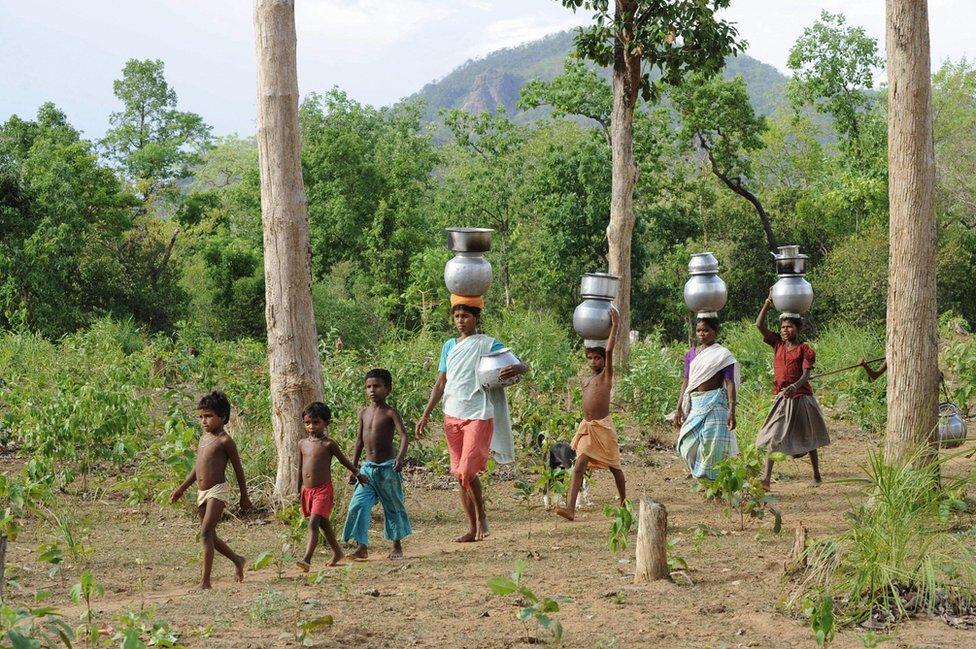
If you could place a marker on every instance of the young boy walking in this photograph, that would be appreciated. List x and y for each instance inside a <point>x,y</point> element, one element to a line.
<point>377,423</point>
<point>315,454</point>
<point>215,450</point>
<point>595,441</point>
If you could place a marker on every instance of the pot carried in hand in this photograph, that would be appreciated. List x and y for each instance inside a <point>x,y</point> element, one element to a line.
<point>468,273</point>
<point>491,364</point>
<point>591,319</point>
<point>705,291</point>
<point>952,427</point>
<point>791,293</point>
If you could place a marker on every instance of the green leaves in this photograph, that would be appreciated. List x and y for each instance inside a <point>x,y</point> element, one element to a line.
<point>307,628</point>
<point>821,612</point>
<point>263,560</point>
<point>538,608</point>
<point>620,526</point>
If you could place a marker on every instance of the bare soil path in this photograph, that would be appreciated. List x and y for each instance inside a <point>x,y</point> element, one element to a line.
<point>437,597</point>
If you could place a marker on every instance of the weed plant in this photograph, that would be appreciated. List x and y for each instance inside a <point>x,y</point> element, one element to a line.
<point>899,555</point>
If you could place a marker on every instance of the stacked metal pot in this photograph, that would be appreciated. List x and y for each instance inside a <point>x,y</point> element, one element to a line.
<point>791,293</point>
<point>591,319</point>
<point>705,292</point>
<point>468,273</point>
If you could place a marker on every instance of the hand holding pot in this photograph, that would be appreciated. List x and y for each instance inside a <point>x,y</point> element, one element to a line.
<point>512,371</point>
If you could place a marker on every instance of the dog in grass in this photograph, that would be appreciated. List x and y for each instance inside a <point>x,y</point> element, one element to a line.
<point>561,456</point>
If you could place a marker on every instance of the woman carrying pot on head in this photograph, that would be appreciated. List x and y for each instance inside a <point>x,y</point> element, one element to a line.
<point>795,425</point>
<point>706,407</point>
<point>476,421</point>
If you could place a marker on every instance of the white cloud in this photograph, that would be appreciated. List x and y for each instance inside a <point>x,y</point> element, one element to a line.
<point>336,24</point>
<point>509,32</point>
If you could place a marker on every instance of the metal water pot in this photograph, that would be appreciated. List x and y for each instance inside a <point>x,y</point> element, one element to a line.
<point>468,273</point>
<point>789,261</point>
<point>705,293</point>
<point>591,319</point>
<point>952,427</point>
<point>705,290</point>
<point>792,294</point>
<point>599,285</point>
<point>469,239</point>
<point>703,263</point>
<point>489,365</point>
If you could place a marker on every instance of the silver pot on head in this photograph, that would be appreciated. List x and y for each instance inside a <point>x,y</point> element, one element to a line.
<point>705,293</point>
<point>591,319</point>
<point>489,365</point>
<point>792,294</point>
<point>468,273</point>
<point>469,239</point>
<point>599,285</point>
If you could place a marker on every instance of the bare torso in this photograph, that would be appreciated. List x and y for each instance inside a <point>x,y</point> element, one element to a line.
<point>212,458</point>
<point>379,426</point>
<point>596,396</point>
<point>316,461</point>
<point>711,384</point>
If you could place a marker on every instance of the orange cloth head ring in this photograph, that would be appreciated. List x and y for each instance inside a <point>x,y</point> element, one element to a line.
<point>476,301</point>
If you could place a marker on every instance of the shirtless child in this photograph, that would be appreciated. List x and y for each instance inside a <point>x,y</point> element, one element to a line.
<point>216,448</point>
<point>595,442</point>
<point>377,423</point>
<point>315,454</point>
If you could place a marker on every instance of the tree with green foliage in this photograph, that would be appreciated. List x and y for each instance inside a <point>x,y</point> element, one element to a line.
<point>833,68</point>
<point>636,38</point>
<point>69,250</point>
<point>151,142</point>
<point>718,119</point>
<point>579,90</point>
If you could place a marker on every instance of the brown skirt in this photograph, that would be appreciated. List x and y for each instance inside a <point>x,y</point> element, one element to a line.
<point>794,426</point>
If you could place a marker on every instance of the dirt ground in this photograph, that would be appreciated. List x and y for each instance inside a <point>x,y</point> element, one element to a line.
<point>437,597</point>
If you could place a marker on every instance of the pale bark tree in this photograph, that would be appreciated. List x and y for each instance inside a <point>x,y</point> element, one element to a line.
<point>912,344</point>
<point>296,373</point>
<point>636,38</point>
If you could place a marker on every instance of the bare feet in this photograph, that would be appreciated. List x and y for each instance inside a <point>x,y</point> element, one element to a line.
<point>303,565</point>
<point>568,514</point>
<point>361,553</point>
<point>469,537</point>
<point>484,527</point>
<point>199,587</point>
<point>397,551</point>
<point>336,558</point>
<point>817,481</point>
<point>239,564</point>
<point>766,486</point>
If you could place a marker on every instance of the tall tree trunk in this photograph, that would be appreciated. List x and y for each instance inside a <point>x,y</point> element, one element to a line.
<point>912,345</point>
<point>296,373</point>
<point>626,84</point>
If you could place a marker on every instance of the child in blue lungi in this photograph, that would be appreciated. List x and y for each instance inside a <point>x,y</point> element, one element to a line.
<point>377,423</point>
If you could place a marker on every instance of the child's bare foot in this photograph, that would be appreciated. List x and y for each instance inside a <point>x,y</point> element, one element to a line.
<point>303,565</point>
<point>468,537</point>
<point>239,564</point>
<point>484,527</point>
<point>397,551</point>
<point>337,557</point>
<point>817,481</point>
<point>361,553</point>
<point>765,485</point>
<point>568,514</point>
<point>200,587</point>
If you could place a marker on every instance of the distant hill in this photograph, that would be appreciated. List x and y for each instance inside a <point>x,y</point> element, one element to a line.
<point>495,80</point>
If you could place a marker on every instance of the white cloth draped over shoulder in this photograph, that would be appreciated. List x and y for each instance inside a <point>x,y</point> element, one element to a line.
<point>464,397</point>
<point>706,364</point>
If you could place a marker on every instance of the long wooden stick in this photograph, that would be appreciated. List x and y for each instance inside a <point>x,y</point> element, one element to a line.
<point>843,369</point>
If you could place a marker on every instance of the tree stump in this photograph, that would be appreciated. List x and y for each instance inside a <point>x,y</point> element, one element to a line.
<point>797,560</point>
<point>652,536</point>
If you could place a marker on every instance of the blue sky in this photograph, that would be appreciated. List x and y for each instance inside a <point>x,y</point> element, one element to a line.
<point>69,51</point>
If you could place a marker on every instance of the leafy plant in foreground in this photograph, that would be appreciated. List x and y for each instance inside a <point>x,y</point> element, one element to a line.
<point>33,627</point>
<point>622,521</point>
<point>821,612</point>
<point>537,608</point>
<point>84,591</point>
<point>737,483</point>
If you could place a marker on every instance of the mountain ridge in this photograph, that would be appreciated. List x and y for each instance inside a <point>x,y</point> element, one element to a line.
<point>497,78</point>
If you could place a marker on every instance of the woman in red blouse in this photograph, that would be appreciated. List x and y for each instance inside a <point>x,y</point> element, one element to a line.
<point>795,425</point>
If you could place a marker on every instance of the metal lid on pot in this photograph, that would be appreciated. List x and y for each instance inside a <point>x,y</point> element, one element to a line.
<point>703,263</point>
<point>469,239</point>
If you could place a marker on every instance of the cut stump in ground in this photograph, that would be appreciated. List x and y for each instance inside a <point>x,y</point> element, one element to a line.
<point>797,560</point>
<point>652,536</point>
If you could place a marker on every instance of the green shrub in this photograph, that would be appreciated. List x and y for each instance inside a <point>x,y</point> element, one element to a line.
<point>651,386</point>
